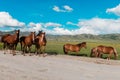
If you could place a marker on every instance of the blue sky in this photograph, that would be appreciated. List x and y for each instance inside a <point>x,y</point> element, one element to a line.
<point>61,17</point>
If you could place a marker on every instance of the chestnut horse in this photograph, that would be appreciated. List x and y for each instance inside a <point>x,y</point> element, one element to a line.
<point>94,52</point>
<point>3,40</point>
<point>40,43</point>
<point>99,50</point>
<point>11,41</point>
<point>27,41</point>
<point>73,48</point>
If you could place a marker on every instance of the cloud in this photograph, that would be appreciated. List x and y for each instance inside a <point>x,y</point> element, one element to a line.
<point>51,24</point>
<point>59,31</point>
<point>87,26</point>
<point>34,26</point>
<point>71,23</point>
<point>115,10</point>
<point>40,26</point>
<point>66,8</point>
<point>99,26</point>
<point>7,20</point>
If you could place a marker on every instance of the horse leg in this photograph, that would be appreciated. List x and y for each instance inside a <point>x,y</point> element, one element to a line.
<point>13,50</point>
<point>29,51</point>
<point>21,46</point>
<point>109,56</point>
<point>4,48</point>
<point>39,51</point>
<point>44,51</point>
<point>24,48</point>
<point>36,50</point>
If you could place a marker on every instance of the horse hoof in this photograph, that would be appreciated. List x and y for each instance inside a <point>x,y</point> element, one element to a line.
<point>44,55</point>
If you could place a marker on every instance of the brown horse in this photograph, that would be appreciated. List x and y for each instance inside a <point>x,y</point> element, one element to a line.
<point>11,41</point>
<point>99,50</point>
<point>4,41</point>
<point>94,52</point>
<point>27,41</point>
<point>40,43</point>
<point>73,48</point>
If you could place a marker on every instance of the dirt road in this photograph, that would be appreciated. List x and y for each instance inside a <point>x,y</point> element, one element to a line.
<point>59,67</point>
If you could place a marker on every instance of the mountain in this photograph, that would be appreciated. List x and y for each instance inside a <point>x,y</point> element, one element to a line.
<point>73,37</point>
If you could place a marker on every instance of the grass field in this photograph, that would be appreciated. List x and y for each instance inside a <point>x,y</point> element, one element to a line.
<point>56,47</point>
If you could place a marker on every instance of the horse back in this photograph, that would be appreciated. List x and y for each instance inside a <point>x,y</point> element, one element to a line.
<point>105,49</point>
<point>71,47</point>
<point>3,38</point>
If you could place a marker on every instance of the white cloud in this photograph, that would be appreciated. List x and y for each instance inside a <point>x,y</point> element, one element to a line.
<point>34,27</point>
<point>66,8</point>
<point>99,26</point>
<point>91,26</point>
<point>40,26</point>
<point>71,23</point>
<point>7,20</point>
<point>59,31</point>
<point>56,8</point>
<point>51,24</point>
<point>115,10</point>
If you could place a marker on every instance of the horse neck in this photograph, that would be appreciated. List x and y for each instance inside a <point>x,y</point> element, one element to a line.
<point>31,37</point>
<point>80,45</point>
<point>42,37</point>
<point>16,35</point>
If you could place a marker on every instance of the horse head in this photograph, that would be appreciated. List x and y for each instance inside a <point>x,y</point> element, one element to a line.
<point>33,36</point>
<point>84,45</point>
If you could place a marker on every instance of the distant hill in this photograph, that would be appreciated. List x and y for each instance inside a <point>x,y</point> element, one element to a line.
<point>84,37</point>
<point>74,37</point>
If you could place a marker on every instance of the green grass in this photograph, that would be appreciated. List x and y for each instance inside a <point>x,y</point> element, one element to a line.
<point>56,47</point>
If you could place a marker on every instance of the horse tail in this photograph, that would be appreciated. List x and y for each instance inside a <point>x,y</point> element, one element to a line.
<point>64,49</point>
<point>115,53</point>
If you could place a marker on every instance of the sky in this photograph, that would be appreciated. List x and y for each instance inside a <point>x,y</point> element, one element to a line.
<point>61,17</point>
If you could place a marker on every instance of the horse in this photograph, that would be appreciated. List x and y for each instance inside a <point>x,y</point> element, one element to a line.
<point>10,41</point>
<point>40,43</point>
<point>106,50</point>
<point>73,48</point>
<point>94,52</point>
<point>3,40</point>
<point>27,41</point>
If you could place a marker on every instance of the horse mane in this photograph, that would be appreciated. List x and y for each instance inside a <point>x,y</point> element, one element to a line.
<point>79,44</point>
<point>22,38</point>
<point>39,33</point>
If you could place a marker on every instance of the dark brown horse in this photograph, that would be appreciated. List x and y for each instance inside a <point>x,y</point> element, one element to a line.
<point>40,43</point>
<point>73,48</point>
<point>4,41</point>
<point>105,50</point>
<point>27,41</point>
<point>11,41</point>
